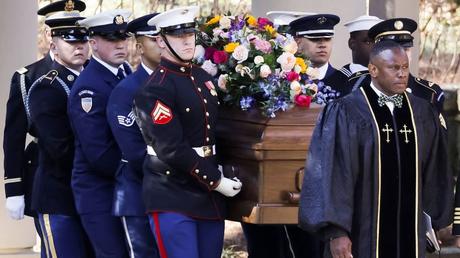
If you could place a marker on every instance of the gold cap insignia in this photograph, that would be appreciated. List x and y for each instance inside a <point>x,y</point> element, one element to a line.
<point>69,6</point>
<point>430,84</point>
<point>119,19</point>
<point>321,20</point>
<point>184,11</point>
<point>442,121</point>
<point>399,25</point>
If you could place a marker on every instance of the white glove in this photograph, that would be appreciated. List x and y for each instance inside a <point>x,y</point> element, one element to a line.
<point>229,187</point>
<point>15,207</point>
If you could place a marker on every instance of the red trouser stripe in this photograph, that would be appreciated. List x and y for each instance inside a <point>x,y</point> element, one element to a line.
<point>161,246</point>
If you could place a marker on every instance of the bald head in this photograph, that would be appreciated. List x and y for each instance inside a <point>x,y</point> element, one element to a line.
<point>389,67</point>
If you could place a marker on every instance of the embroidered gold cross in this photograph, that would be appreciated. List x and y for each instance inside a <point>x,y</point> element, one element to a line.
<point>405,132</point>
<point>387,130</point>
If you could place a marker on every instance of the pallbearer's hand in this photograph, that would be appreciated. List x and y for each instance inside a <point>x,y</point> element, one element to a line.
<point>229,187</point>
<point>341,247</point>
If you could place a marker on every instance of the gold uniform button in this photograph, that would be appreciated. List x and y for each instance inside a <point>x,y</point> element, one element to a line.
<point>207,113</point>
<point>205,101</point>
<point>218,102</point>
<point>193,78</point>
<point>204,177</point>
<point>209,127</point>
<point>187,109</point>
<point>211,183</point>
<point>199,89</point>
<point>162,71</point>
<point>207,139</point>
<point>167,172</point>
<point>197,171</point>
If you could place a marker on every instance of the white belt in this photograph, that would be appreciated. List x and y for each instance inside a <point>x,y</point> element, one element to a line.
<point>203,151</point>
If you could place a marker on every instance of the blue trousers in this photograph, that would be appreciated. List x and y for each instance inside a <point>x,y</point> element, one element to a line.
<point>105,232</point>
<point>39,232</point>
<point>179,236</point>
<point>139,238</point>
<point>63,236</point>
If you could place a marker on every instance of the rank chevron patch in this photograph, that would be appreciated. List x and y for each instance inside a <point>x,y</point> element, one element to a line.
<point>161,114</point>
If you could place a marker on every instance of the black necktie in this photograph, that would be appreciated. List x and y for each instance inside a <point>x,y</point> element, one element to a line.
<point>120,74</point>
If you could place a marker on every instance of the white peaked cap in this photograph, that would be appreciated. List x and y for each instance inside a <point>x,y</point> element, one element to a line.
<point>363,22</point>
<point>176,16</point>
<point>105,18</point>
<point>285,17</point>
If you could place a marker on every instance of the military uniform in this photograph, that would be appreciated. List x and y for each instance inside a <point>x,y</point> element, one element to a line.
<point>97,155</point>
<point>177,114</point>
<point>20,165</point>
<point>128,202</point>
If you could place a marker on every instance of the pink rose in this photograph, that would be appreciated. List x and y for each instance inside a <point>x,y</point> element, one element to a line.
<point>302,100</point>
<point>209,52</point>
<point>263,46</point>
<point>222,82</point>
<point>240,53</point>
<point>209,67</point>
<point>264,22</point>
<point>219,57</point>
<point>292,76</point>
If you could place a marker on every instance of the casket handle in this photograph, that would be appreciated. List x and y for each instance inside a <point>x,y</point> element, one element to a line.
<point>295,197</point>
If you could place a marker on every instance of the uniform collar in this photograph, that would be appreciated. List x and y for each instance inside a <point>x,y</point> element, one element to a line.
<point>322,71</point>
<point>176,67</point>
<point>112,69</point>
<point>146,68</point>
<point>354,68</point>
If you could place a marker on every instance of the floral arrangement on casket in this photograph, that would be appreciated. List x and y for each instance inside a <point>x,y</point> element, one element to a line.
<point>255,66</point>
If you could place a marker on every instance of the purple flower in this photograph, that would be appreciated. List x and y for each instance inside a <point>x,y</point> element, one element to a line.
<point>246,102</point>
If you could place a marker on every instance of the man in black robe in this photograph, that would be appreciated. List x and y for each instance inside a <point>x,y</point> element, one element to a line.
<point>376,161</point>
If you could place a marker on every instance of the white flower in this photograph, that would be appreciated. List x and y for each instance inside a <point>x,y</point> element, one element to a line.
<point>291,47</point>
<point>209,67</point>
<point>199,53</point>
<point>225,22</point>
<point>222,82</point>
<point>297,68</point>
<point>295,86</point>
<point>258,60</point>
<point>265,71</point>
<point>287,61</point>
<point>240,53</point>
<point>313,73</point>
<point>216,32</point>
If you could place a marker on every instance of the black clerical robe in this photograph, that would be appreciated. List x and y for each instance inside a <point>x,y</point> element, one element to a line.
<point>370,174</point>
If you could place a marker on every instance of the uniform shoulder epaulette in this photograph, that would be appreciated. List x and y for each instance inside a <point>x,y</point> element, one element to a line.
<point>424,82</point>
<point>358,74</point>
<point>50,76</point>
<point>22,70</point>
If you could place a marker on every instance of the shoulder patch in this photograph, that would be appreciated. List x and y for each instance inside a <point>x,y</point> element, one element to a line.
<point>50,76</point>
<point>22,70</point>
<point>161,114</point>
<point>126,120</point>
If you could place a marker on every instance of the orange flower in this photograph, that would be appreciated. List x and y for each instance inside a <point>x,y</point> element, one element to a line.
<point>251,20</point>
<point>301,63</point>
<point>214,20</point>
<point>230,47</point>
<point>270,30</point>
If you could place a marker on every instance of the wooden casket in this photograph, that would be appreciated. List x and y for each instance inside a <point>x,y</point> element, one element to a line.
<point>268,155</point>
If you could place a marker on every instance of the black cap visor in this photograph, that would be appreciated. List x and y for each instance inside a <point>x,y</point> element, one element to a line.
<point>113,35</point>
<point>71,34</point>
<point>185,28</point>
<point>405,40</point>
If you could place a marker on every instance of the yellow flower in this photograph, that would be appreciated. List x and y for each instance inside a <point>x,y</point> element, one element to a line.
<point>251,20</point>
<point>270,30</point>
<point>214,20</point>
<point>301,62</point>
<point>230,47</point>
